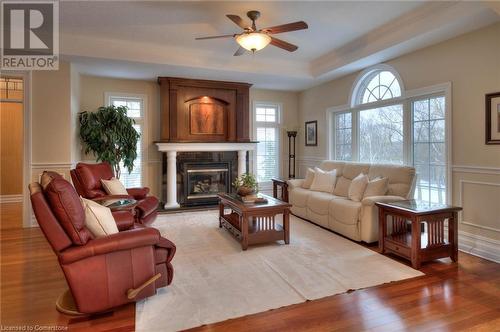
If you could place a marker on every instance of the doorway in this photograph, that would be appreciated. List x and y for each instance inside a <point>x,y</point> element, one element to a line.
<point>12,151</point>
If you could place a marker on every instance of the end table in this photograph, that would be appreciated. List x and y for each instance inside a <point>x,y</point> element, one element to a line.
<point>404,236</point>
<point>283,192</point>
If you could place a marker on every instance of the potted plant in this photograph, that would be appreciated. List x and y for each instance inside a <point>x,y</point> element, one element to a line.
<point>246,184</point>
<point>110,135</point>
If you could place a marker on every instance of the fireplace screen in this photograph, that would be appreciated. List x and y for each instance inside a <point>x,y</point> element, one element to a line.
<point>207,182</point>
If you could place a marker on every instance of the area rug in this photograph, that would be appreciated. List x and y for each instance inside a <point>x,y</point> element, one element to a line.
<point>215,280</point>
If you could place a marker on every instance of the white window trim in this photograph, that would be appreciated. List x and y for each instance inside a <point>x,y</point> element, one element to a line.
<point>407,96</point>
<point>279,125</point>
<point>143,123</point>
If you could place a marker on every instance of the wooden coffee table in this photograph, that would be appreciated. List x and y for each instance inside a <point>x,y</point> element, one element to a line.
<point>254,223</point>
<point>405,236</point>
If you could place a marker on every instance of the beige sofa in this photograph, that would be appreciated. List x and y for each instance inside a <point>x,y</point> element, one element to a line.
<point>355,220</point>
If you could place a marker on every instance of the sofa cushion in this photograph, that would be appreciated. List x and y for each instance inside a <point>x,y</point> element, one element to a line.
<point>67,208</point>
<point>342,187</point>
<point>324,181</point>
<point>319,202</point>
<point>358,187</point>
<point>351,170</point>
<point>400,178</point>
<point>90,175</point>
<point>298,196</point>
<point>345,211</point>
<point>330,165</point>
<point>308,180</point>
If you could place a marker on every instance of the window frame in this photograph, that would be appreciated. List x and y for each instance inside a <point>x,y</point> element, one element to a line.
<point>142,122</point>
<point>277,125</point>
<point>406,100</point>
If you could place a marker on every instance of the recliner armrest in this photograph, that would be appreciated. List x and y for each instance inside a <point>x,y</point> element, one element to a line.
<point>138,193</point>
<point>130,239</point>
<point>294,183</point>
<point>370,201</point>
<point>124,219</point>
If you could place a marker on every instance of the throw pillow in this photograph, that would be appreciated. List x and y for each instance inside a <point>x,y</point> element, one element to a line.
<point>342,187</point>
<point>98,219</point>
<point>357,187</point>
<point>324,181</point>
<point>308,179</point>
<point>377,187</point>
<point>114,187</point>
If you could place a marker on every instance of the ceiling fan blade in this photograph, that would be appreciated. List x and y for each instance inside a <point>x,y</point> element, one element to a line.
<point>239,51</point>
<point>283,44</point>
<point>300,25</point>
<point>214,37</point>
<point>238,20</point>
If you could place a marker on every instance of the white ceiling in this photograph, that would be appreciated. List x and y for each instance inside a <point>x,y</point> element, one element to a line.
<point>148,39</point>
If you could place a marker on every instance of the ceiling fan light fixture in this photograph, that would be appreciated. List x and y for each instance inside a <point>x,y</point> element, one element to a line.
<point>253,41</point>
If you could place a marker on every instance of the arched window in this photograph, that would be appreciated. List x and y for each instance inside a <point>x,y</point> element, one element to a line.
<point>384,124</point>
<point>378,83</point>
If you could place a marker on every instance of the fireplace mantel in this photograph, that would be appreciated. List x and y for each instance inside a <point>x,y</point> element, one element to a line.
<point>172,148</point>
<point>197,146</point>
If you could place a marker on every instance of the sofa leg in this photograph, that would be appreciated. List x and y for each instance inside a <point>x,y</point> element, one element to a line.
<point>65,304</point>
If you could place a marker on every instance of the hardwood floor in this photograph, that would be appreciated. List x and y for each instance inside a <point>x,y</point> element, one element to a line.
<point>463,296</point>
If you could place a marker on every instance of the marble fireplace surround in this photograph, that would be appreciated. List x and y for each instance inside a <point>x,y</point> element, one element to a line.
<point>172,148</point>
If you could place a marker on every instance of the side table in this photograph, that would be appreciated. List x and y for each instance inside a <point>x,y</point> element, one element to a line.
<point>280,189</point>
<point>403,236</point>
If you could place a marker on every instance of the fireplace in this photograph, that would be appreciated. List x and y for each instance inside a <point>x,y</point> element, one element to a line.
<point>204,181</point>
<point>200,176</point>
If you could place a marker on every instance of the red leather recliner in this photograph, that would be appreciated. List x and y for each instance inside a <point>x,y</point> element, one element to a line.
<point>87,181</point>
<point>102,273</point>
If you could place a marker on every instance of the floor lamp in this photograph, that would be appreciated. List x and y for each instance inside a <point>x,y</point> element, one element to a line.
<point>291,153</point>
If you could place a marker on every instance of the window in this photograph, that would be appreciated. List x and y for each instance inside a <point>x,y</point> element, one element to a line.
<point>135,110</point>
<point>267,132</point>
<point>381,135</point>
<point>429,148</point>
<point>343,139</point>
<point>386,125</point>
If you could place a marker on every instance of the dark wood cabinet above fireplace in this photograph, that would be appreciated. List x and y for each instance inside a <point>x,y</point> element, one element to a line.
<point>204,111</point>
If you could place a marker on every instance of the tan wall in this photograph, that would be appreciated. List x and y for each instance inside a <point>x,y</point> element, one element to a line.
<point>290,116</point>
<point>471,63</point>
<point>92,90</point>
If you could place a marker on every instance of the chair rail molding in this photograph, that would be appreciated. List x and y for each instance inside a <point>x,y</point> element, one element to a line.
<point>461,200</point>
<point>11,198</point>
<point>476,169</point>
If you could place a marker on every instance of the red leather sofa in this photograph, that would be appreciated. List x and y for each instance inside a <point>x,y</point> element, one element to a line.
<point>102,273</point>
<point>87,181</point>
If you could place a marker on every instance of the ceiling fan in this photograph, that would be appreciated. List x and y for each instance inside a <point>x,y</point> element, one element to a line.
<point>252,39</point>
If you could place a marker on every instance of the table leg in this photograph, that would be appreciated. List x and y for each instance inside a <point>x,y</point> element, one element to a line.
<point>286,225</point>
<point>415,242</point>
<point>453,236</point>
<point>244,231</point>
<point>382,229</point>
<point>221,213</point>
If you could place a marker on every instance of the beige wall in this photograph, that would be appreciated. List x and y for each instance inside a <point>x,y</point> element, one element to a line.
<point>471,63</point>
<point>92,90</point>
<point>289,117</point>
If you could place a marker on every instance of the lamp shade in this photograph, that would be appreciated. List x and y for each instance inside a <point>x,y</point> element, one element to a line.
<point>253,41</point>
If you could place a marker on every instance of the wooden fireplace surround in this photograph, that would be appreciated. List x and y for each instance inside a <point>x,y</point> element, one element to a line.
<point>195,110</point>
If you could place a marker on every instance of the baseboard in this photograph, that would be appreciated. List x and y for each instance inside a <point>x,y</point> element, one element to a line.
<point>479,246</point>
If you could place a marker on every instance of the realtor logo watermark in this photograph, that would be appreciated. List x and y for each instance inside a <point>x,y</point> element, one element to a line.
<point>30,35</point>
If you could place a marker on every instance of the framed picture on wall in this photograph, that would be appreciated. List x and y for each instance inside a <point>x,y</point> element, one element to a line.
<point>312,133</point>
<point>493,118</point>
